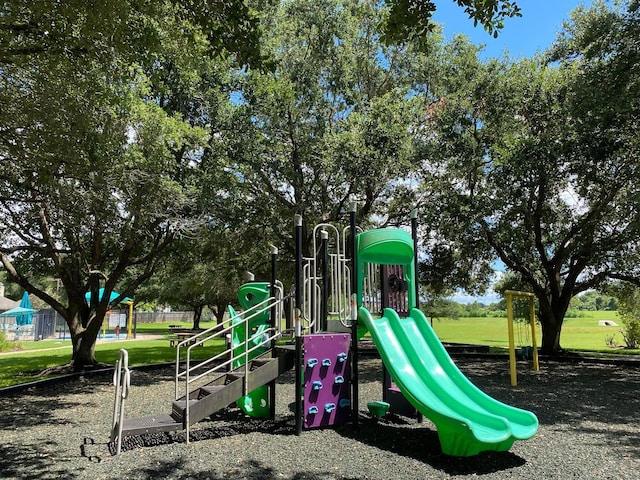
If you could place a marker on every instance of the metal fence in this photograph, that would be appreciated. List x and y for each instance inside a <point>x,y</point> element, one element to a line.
<point>160,317</point>
<point>48,324</point>
<point>43,326</point>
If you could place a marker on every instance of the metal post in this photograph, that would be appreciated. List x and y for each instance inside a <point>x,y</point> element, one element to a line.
<point>414,235</point>
<point>275,327</point>
<point>298,326</point>
<point>354,320</point>
<point>324,236</point>
<point>129,320</point>
<point>532,316</point>
<point>274,271</point>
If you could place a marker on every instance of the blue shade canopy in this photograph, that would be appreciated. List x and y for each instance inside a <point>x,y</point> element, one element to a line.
<point>18,311</point>
<point>112,297</point>
<point>27,318</point>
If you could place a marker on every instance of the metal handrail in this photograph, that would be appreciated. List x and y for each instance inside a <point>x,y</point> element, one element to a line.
<point>236,321</point>
<point>122,382</point>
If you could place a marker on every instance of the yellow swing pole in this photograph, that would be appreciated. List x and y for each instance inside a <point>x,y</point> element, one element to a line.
<point>512,347</point>
<point>129,319</point>
<point>532,316</point>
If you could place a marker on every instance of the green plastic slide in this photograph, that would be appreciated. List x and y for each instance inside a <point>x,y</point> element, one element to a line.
<point>468,420</point>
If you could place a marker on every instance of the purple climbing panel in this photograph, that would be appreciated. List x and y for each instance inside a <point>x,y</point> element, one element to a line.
<point>327,379</point>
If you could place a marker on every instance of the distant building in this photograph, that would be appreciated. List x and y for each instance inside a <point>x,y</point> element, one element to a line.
<point>6,303</point>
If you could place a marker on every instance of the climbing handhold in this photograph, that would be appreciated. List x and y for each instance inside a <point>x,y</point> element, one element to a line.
<point>329,407</point>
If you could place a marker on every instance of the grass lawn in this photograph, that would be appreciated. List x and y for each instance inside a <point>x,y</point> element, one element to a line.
<point>20,366</point>
<point>581,333</point>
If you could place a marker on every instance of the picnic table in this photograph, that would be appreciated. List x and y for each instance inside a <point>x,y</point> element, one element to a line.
<point>181,336</point>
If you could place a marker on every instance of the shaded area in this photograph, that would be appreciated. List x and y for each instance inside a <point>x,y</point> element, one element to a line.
<point>589,398</point>
<point>33,461</point>
<point>249,470</point>
<point>566,392</point>
<point>589,416</point>
<point>421,443</point>
<point>226,423</point>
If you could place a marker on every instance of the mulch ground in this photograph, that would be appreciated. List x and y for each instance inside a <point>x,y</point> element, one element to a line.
<point>589,417</point>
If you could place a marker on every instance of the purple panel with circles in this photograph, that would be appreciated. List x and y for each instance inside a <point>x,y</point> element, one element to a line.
<point>327,379</point>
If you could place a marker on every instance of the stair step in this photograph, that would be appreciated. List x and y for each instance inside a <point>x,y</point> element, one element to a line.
<point>232,377</point>
<point>261,362</point>
<point>179,406</point>
<point>153,424</point>
<point>209,389</point>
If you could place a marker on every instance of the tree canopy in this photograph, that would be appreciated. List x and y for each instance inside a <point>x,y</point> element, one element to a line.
<point>329,122</point>
<point>97,161</point>
<point>410,20</point>
<point>536,163</point>
<point>130,126</point>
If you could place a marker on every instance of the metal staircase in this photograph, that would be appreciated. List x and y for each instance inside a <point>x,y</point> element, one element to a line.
<point>220,386</point>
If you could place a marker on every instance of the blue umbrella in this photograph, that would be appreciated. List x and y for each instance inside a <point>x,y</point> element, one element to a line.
<point>18,312</point>
<point>112,297</point>
<point>26,319</point>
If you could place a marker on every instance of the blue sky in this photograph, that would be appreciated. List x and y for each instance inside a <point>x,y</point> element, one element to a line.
<point>522,36</point>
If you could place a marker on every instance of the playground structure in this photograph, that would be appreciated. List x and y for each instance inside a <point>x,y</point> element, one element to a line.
<point>335,300</point>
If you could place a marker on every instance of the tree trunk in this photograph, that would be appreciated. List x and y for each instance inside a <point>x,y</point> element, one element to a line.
<point>83,351</point>
<point>220,311</point>
<point>551,337</point>
<point>197,315</point>
<point>83,339</point>
<point>551,320</point>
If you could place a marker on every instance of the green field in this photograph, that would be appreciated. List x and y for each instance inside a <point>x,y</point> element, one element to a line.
<point>583,334</point>
<point>33,357</point>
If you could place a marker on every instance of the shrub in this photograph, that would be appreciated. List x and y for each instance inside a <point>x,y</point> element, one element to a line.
<point>629,312</point>
<point>574,313</point>
<point>5,345</point>
<point>610,341</point>
<point>631,332</point>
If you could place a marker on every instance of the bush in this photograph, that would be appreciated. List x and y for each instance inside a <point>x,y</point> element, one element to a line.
<point>610,341</point>
<point>5,345</point>
<point>628,297</point>
<point>631,332</point>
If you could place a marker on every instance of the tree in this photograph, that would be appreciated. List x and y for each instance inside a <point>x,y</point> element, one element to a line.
<point>410,20</point>
<point>438,307</point>
<point>328,123</point>
<point>94,185</point>
<point>203,270</point>
<point>536,164</point>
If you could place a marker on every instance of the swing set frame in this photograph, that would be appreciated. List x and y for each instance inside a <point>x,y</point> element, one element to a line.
<point>510,294</point>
